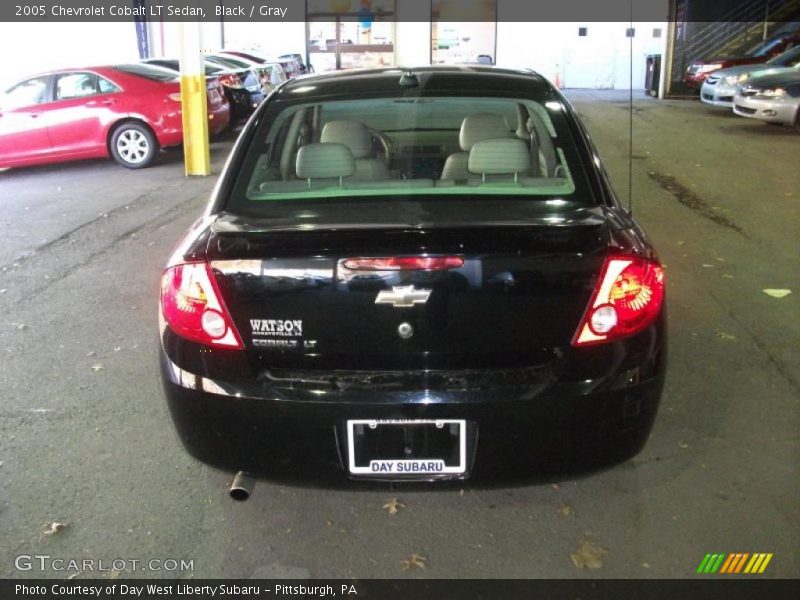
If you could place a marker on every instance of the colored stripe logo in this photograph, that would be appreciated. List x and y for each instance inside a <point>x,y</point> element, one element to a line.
<point>738,562</point>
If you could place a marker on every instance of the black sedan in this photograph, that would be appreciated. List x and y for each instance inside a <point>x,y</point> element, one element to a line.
<point>242,86</point>
<point>418,275</point>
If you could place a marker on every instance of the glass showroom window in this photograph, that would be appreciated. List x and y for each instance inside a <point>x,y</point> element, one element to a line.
<point>350,34</point>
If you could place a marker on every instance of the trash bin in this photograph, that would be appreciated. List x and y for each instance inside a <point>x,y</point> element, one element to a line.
<point>652,77</point>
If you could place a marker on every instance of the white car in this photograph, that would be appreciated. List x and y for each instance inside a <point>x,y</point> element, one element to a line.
<point>770,98</point>
<point>719,87</point>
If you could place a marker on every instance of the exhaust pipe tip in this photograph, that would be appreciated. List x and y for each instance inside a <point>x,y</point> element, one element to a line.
<point>242,486</point>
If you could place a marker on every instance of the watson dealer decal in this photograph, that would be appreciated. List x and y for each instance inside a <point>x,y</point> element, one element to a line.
<point>279,334</point>
<point>277,328</point>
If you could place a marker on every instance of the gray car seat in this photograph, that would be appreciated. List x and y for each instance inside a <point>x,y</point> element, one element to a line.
<point>474,128</point>
<point>356,136</point>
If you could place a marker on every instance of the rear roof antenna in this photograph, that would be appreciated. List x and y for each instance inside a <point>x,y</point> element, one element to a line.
<point>631,32</point>
<point>409,79</point>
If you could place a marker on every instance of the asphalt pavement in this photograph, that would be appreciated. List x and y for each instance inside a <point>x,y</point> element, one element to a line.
<point>86,440</point>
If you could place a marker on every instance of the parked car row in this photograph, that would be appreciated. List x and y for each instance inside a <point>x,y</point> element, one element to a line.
<point>247,77</point>
<point>769,92</point>
<point>700,70</point>
<point>128,111</point>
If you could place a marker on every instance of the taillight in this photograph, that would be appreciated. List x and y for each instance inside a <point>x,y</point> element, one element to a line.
<point>231,80</point>
<point>404,263</point>
<point>193,308</point>
<point>628,298</point>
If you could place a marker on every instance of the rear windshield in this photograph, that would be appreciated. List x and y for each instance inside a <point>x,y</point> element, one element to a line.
<point>148,72</point>
<point>767,47</point>
<point>230,63</point>
<point>790,58</point>
<point>390,148</point>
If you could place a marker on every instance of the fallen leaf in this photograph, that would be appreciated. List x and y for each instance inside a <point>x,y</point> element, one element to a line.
<point>554,486</point>
<point>726,336</point>
<point>681,242</point>
<point>719,259</point>
<point>565,510</point>
<point>727,276</point>
<point>22,326</point>
<point>90,354</point>
<point>588,556</point>
<point>646,565</point>
<point>777,293</point>
<point>415,561</point>
<point>394,506</point>
<point>54,528</point>
<point>707,266</point>
<point>683,445</point>
<point>97,368</point>
<point>328,523</point>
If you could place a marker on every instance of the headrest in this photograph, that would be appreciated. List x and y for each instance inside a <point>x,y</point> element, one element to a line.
<point>352,134</point>
<point>319,161</point>
<point>499,157</point>
<point>482,126</point>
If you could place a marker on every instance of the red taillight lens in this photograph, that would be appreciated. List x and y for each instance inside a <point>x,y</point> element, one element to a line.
<point>231,80</point>
<point>192,306</point>
<point>628,299</point>
<point>404,263</point>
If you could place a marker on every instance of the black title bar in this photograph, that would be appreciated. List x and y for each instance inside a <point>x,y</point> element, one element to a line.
<point>295,10</point>
<point>730,588</point>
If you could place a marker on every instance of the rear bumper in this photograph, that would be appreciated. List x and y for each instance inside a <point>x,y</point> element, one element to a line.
<point>219,118</point>
<point>243,102</point>
<point>694,80</point>
<point>514,432</point>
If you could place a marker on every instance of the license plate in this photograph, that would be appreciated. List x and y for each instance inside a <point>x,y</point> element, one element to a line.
<point>402,448</point>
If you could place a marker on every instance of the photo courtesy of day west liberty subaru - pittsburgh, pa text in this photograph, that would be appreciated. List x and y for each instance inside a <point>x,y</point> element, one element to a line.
<point>151,590</point>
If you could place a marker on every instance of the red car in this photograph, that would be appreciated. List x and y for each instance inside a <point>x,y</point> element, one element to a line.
<point>126,111</point>
<point>699,70</point>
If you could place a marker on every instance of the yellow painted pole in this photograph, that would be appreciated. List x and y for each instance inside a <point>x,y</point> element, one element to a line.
<point>196,153</point>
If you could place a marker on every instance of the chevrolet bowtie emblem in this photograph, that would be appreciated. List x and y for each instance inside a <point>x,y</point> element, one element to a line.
<point>403,296</point>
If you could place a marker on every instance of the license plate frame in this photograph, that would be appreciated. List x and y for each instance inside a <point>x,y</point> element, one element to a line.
<point>407,470</point>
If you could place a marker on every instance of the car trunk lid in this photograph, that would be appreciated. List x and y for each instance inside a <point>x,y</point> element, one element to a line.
<point>515,295</point>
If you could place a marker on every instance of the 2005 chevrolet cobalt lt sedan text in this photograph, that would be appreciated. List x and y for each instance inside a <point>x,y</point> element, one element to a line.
<point>413,275</point>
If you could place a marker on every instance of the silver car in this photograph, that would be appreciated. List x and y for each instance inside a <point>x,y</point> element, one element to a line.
<point>770,98</point>
<point>719,87</point>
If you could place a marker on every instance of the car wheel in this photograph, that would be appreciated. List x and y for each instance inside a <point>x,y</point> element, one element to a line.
<point>133,145</point>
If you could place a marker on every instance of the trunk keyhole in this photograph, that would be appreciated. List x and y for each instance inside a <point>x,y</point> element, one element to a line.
<point>405,330</point>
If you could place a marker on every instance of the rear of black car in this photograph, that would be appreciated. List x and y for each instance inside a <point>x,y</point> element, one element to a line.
<point>418,278</point>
